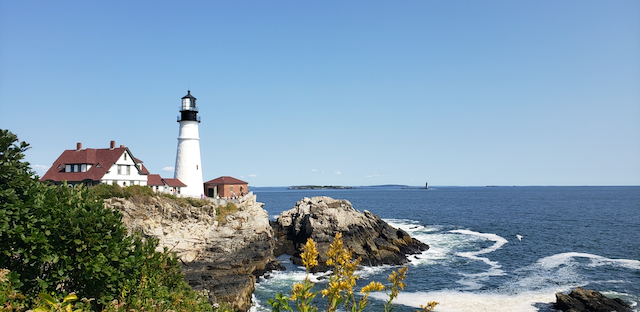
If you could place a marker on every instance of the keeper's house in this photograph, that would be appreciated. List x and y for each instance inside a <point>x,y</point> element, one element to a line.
<point>113,165</point>
<point>226,187</point>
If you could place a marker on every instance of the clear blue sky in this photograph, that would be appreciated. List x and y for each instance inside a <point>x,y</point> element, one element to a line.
<point>335,92</point>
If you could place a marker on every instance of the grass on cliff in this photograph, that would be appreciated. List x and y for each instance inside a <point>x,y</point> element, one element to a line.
<point>141,194</point>
<point>104,191</point>
<point>223,211</point>
<point>187,201</point>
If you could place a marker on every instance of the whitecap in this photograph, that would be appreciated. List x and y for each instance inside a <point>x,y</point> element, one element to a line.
<point>596,261</point>
<point>450,300</point>
<point>441,245</point>
<point>494,267</point>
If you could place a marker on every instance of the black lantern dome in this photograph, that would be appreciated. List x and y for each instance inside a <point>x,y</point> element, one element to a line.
<point>188,109</point>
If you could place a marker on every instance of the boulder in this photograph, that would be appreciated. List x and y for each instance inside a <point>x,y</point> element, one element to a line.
<point>222,258</point>
<point>585,300</point>
<point>321,218</point>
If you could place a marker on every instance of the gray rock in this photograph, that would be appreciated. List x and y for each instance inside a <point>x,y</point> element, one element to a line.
<point>321,218</point>
<point>222,258</point>
<point>585,300</point>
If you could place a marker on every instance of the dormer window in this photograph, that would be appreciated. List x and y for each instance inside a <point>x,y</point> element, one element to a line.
<point>76,167</point>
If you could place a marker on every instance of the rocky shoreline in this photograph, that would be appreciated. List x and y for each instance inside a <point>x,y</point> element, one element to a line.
<point>225,257</point>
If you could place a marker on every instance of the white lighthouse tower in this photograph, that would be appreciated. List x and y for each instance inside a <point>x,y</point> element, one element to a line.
<point>188,163</point>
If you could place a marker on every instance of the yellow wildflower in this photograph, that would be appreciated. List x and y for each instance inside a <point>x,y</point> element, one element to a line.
<point>309,254</point>
<point>373,286</point>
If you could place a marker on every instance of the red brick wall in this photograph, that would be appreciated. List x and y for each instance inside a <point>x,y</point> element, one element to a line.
<point>227,190</point>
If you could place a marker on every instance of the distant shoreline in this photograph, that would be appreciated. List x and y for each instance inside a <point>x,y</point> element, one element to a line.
<point>319,187</point>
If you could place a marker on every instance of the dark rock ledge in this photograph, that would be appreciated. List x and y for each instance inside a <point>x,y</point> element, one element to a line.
<point>585,300</point>
<point>321,218</point>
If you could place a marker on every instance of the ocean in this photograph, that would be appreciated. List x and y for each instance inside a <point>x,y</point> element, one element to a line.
<point>492,248</point>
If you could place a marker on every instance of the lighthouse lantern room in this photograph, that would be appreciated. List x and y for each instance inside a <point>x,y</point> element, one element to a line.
<point>188,163</point>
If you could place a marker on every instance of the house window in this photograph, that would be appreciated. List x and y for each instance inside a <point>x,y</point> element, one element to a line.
<point>124,169</point>
<point>230,188</point>
<point>125,156</point>
<point>68,168</point>
<point>83,168</point>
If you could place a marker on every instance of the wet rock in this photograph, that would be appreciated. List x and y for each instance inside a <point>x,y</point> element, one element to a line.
<point>585,300</point>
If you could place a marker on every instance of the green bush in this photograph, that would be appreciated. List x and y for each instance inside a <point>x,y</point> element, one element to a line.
<point>63,240</point>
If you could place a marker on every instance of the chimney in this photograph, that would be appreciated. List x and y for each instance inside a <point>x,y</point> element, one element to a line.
<point>121,145</point>
<point>113,145</point>
<point>78,146</point>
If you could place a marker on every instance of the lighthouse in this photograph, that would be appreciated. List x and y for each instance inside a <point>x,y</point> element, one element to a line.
<point>188,163</point>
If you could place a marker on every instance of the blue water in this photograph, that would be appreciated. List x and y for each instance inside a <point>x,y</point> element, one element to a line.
<point>569,236</point>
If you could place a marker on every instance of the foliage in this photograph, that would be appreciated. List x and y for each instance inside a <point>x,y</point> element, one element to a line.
<point>12,298</point>
<point>223,211</point>
<point>104,191</point>
<point>57,239</point>
<point>52,304</point>
<point>340,289</point>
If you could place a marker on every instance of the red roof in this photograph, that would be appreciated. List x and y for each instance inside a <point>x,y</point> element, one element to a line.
<point>225,180</point>
<point>154,180</point>
<point>174,182</point>
<point>143,169</point>
<point>100,160</point>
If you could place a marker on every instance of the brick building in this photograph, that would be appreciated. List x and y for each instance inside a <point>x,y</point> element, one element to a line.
<point>226,187</point>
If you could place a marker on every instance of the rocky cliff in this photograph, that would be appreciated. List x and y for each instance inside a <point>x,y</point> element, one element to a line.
<point>321,218</point>
<point>222,257</point>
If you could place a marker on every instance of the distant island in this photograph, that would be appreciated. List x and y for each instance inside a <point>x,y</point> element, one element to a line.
<point>319,187</point>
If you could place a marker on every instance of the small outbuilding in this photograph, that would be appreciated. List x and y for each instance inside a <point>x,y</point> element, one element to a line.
<point>226,187</point>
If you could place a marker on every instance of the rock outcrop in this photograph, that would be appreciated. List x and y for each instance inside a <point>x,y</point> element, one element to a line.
<point>321,218</point>
<point>585,300</point>
<point>221,257</point>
